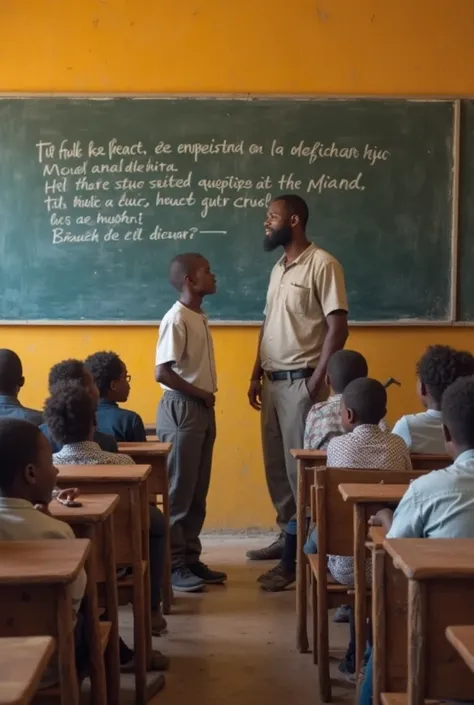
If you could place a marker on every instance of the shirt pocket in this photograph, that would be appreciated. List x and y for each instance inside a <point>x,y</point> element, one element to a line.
<point>297,299</point>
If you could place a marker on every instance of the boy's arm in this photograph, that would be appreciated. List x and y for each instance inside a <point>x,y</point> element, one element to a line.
<point>383,518</point>
<point>165,374</point>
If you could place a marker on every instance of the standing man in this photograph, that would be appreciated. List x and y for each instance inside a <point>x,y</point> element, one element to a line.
<point>305,323</point>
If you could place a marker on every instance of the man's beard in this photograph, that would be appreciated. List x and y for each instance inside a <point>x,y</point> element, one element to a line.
<point>278,238</point>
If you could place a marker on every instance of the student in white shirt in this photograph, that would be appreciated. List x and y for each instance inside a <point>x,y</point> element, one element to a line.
<point>439,367</point>
<point>185,368</point>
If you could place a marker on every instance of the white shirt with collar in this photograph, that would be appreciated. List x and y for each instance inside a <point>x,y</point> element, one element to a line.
<point>423,433</point>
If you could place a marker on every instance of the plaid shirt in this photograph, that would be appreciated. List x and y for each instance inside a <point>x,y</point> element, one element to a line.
<point>323,423</point>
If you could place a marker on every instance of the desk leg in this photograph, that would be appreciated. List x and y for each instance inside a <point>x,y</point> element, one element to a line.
<point>360,532</point>
<point>66,647</point>
<point>112,653</point>
<point>145,514</point>
<point>139,629</point>
<point>167,588</point>
<point>301,585</point>
<point>378,622</point>
<point>96,656</point>
<point>416,642</point>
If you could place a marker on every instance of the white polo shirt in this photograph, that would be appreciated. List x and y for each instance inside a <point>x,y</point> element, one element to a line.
<point>185,340</point>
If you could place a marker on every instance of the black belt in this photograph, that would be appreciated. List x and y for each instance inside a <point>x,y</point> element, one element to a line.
<point>289,375</point>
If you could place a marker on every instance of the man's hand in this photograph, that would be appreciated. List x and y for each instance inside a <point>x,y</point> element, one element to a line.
<point>312,388</point>
<point>255,394</point>
<point>209,399</point>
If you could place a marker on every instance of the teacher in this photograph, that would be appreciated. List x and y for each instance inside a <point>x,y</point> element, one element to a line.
<point>305,323</point>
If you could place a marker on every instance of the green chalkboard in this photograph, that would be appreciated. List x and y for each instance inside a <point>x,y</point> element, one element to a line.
<point>97,196</point>
<point>466,215</point>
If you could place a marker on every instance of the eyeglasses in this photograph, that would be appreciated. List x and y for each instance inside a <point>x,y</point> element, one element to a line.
<point>128,378</point>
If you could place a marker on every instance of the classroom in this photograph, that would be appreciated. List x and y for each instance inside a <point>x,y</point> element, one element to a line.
<point>134,134</point>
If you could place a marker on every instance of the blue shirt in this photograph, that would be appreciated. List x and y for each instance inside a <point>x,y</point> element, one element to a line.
<point>10,406</point>
<point>439,505</point>
<point>423,433</point>
<point>123,424</point>
<point>106,442</point>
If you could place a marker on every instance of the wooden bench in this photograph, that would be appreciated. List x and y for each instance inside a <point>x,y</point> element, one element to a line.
<point>131,539</point>
<point>440,577</point>
<point>336,536</point>
<point>94,521</point>
<point>360,496</point>
<point>36,579</point>
<point>23,661</point>
<point>156,454</point>
<point>462,638</point>
<point>307,462</point>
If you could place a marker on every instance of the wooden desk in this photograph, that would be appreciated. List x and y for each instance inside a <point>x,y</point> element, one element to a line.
<point>156,454</point>
<point>307,461</point>
<point>35,594</point>
<point>360,495</point>
<point>462,638</point>
<point>440,574</point>
<point>94,521</point>
<point>131,539</point>
<point>22,664</point>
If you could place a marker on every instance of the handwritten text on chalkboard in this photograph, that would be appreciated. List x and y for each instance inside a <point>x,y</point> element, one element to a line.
<point>116,192</point>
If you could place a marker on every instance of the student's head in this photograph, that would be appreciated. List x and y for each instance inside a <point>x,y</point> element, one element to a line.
<point>69,413</point>
<point>345,366</point>
<point>110,375</point>
<point>11,373</point>
<point>286,220</point>
<point>73,371</point>
<point>457,407</point>
<point>26,462</point>
<point>439,367</point>
<point>191,273</point>
<point>364,401</point>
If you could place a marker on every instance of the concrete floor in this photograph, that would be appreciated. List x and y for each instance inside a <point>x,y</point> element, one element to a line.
<point>236,644</point>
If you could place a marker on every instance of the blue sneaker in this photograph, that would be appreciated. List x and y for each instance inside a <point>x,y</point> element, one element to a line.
<point>183,580</point>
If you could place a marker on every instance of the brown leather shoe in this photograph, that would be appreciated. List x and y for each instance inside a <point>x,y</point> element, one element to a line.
<point>273,552</point>
<point>276,579</point>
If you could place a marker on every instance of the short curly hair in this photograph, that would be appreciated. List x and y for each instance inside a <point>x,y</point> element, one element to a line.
<point>344,366</point>
<point>19,446</point>
<point>66,371</point>
<point>367,398</point>
<point>105,368</point>
<point>69,413</point>
<point>440,366</point>
<point>457,407</point>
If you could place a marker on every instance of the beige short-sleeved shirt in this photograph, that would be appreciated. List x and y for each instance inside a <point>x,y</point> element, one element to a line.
<point>299,298</point>
<point>185,340</point>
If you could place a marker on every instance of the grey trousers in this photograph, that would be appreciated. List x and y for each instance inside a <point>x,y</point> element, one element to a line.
<point>285,406</point>
<point>191,427</point>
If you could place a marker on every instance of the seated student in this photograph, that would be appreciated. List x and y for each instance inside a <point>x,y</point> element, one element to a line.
<point>27,480</point>
<point>11,381</point>
<point>365,445</point>
<point>69,413</point>
<point>113,382</point>
<point>439,367</point>
<point>439,505</point>
<point>70,371</point>
<point>322,424</point>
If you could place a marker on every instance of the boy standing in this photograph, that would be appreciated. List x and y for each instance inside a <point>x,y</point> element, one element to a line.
<point>185,368</point>
<point>113,382</point>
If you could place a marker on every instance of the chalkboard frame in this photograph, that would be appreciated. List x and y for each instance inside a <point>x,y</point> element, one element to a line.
<point>452,319</point>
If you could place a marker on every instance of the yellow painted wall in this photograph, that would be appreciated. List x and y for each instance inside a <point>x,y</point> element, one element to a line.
<point>397,47</point>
